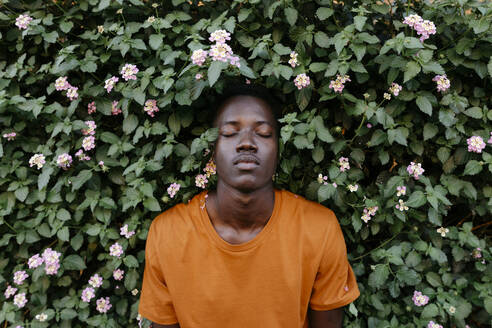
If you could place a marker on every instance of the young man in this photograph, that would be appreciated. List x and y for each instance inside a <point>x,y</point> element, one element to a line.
<point>246,255</point>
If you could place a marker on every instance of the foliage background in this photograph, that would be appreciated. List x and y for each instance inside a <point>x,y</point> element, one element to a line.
<point>79,211</point>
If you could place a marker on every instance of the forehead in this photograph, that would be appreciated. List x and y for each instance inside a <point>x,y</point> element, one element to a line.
<point>245,108</point>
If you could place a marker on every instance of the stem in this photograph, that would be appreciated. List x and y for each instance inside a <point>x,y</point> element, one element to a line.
<point>10,226</point>
<point>384,243</point>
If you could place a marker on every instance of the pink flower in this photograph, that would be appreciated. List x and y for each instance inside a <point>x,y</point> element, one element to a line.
<point>201,180</point>
<point>20,300</point>
<point>114,108</point>
<point>210,169</point>
<point>103,305</point>
<point>234,60</point>
<point>118,274</point>
<point>129,71</point>
<point>35,261</point>
<point>368,213</point>
<point>116,250</point>
<point>82,156</point>
<point>199,56</point>
<point>419,299</point>
<point>91,107</point>
<point>173,189</point>
<point>339,84</point>
<point>96,281</point>
<point>477,253</point>
<point>51,260</point>
<point>442,82</point>
<point>101,163</point>
<point>475,144</point>
<point>395,89</point>
<point>369,125</point>
<point>401,190</point>
<point>302,81</point>
<point>424,29</point>
<point>220,52</point>
<point>64,160</point>
<point>413,20</point>
<point>322,179</point>
<point>401,205</point>
<point>72,93</point>
<point>88,294</point>
<point>9,291</point>
<point>151,107</point>
<point>61,83</point>
<point>20,276</point>
<point>293,59</point>
<point>219,36</point>
<point>198,76</point>
<point>432,324</point>
<point>22,21</point>
<point>490,140</point>
<point>88,143</point>
<point>415,169</point>
<point>124,231</point>
<point>91,128</point>
<point>343,162</point>
<point>38,160</point>
<point>109,83</point>
<point>10,136</point>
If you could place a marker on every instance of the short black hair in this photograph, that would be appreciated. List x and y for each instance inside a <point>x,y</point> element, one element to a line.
<point>235,88</point>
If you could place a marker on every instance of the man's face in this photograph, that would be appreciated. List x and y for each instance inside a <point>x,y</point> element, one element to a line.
<point>246,148</point>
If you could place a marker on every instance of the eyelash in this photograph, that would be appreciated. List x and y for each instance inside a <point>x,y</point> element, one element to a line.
<point>264,135</point>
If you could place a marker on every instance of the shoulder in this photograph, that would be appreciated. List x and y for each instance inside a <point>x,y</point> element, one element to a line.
<point>176,219</point>
<point>312,211</point>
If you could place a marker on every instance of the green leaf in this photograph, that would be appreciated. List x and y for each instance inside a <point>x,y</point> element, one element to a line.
<point>321,131</point>
<point>303,97</point>
<point>21,193</point>
<point>475,112</point>
<point>359,22</point>
<point>66,26</point>
<point>130,261</point>
<point>80,179</point>
<point>434,279</point>
<point>130,123</point>
<point>50,37</point>
<point>325,192</point>
<point>472,167</point>
<point>322,39</point>
<point>323,13</point>
<point>73,262</point>
<point>214,71</point>
<point>291,15</point>
<point>424,105</point>
<point>281,49</point>
<point>378,277</point>
<point>437,255</point>
<point>430,130</point>
<point>68,314</point>
<point>63,234</point>
<point>318,154</point>
<point>152,204</point>
<point>63,215</point>
<point>416,199</point>
<point>411,70</point>
<point>155,41</point>
<point>430,311</point>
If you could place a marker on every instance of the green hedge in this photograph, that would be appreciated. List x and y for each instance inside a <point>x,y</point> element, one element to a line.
<point>353,130</point>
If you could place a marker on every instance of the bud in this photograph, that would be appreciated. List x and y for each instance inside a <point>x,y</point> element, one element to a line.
<point>165,199</point>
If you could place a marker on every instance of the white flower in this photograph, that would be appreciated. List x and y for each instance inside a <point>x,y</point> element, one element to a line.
<point>41,317</point>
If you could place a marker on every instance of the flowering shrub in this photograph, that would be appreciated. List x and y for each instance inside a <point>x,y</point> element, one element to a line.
<point>104,109</point>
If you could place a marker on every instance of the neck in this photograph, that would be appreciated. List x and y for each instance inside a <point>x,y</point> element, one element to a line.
<point>243,210</point>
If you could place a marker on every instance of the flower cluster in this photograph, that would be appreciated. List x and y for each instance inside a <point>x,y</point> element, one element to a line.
<point>322,179</point>
<point>9,291</point>
<point>91,128</point>
<point>419,299</point>
<point>88,143</point>
<point>62,84</point>
<point>353,188</point>
<point>401,205</point>
<point>91,107</point>
<point>293,59</point>
<point>96,281</point>
<point>401,190</point>
<point>423,27</point>
<point>22,21</point>
<point>343,162</point>
<point>477,253</point>
<point>150,107</point>
<point>129,71</point>
<point>116,250</point>
<point>118,274</point>
<point>395,89</point>
<point>201,181</point>
<point>210,169</point>
<point>368,213</point>
<point>20,300</point>
<point>82,156</point>
<point>10,136</point>
<point>302,81</point>
<point>124,231</point>
<point>103,305</point>
<point>51,261</point>
<point>41,317</point>
<point>109,83</point>
<point>490,140</point>
<point>173,189</point>
<point>442,82</point>
<point>64,160</point>
<point>338,84</point>
<point>20,276</point>
<point>37,159</point>
<point>415,169</point>
<point>220,51</point>
<point>114,108</point>
<point>475,144</point>
<point>443,231</point>
<point>35,261</point>
<point>432,324</point>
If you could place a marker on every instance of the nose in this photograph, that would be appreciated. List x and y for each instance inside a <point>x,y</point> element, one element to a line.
<point>246,142</point>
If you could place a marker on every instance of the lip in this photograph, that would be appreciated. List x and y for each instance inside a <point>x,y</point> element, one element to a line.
<point>246,159</point>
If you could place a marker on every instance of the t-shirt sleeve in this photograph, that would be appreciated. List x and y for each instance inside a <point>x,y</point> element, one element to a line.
<point>155,300</point>
<point>335,284</point>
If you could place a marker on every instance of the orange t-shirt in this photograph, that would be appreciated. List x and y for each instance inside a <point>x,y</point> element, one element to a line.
<point>194,277</point>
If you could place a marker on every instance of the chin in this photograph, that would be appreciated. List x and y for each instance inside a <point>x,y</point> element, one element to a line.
<point>247,185</point>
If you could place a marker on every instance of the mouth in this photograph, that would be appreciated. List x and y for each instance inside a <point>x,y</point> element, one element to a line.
<point>246,159</point>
